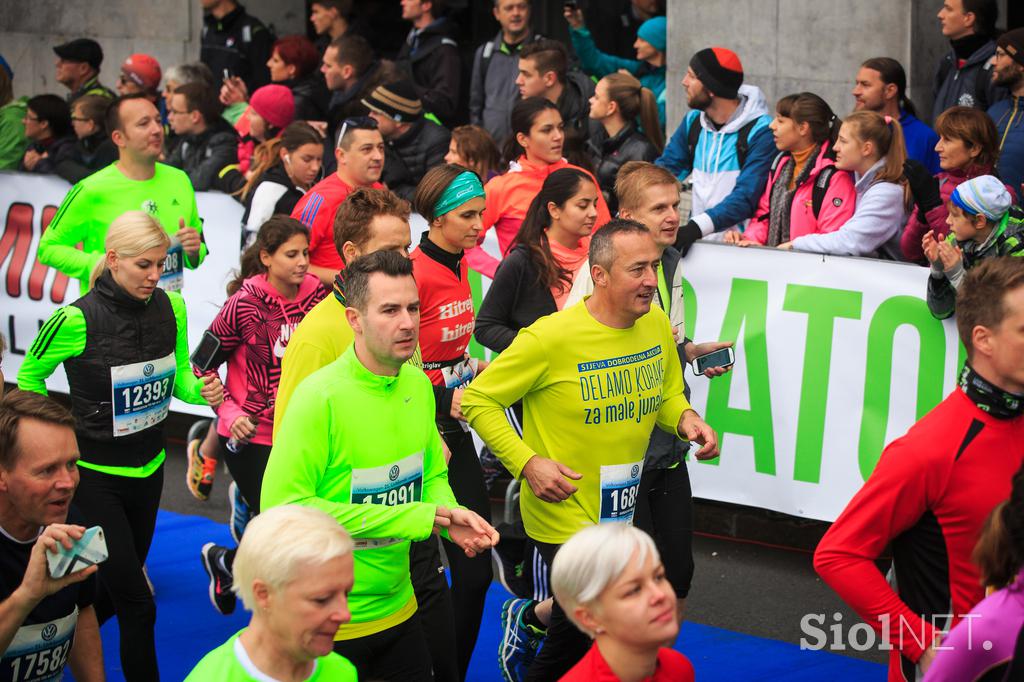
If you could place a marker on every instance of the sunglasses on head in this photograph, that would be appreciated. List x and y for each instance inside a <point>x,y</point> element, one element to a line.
<point>356,123</point>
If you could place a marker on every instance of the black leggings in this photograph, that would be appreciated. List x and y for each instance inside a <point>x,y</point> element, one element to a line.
<point>398,654</point>
<point>470,577</point>
<point>247,467</point>
<point>434,607</point>
<point>126,510</point>
<point>565,644</point>
<point>664,510</point>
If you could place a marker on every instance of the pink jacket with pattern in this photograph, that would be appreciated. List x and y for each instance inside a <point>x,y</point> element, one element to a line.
<point>254,327</point>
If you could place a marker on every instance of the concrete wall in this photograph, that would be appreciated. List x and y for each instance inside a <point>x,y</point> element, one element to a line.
<point>792,45</point>
<point>168,30</point>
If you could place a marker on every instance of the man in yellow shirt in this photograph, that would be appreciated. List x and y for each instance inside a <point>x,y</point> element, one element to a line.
<point>594,379</point>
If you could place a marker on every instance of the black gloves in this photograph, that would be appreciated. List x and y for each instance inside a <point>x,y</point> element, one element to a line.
<point>688,234</point>
<point>923,185</point>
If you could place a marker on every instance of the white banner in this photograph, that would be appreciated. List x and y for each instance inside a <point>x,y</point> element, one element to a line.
<point>835,357</point>
<point>30,291</point>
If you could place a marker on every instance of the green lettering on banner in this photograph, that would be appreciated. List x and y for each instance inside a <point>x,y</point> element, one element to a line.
<point>689,309</point>
<point>747,309</point>
<point>822,306</point>
<point>890,316</point>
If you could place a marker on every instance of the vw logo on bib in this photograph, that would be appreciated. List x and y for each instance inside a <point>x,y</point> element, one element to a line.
<point>148,370</point>
<point>393,473</point>
<point>635,471</point>
<point>49,632</point>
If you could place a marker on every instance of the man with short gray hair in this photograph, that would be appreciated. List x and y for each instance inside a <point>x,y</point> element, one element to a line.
<point>595,379</point>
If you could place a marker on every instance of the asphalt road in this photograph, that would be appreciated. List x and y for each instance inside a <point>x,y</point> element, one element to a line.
<point>743,586</point>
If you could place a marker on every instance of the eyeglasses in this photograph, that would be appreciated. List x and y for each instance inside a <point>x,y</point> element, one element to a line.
<point>32,117</point>
<point>356,123</point>
<point>80,119</point>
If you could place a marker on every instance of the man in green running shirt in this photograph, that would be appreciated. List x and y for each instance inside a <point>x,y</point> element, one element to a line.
<point>134,182</point>
<point>359,442</point>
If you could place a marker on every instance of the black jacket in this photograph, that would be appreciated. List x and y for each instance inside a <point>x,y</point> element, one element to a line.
<point>311,97</point>
<point>970,85</point>
<point>410,155</point>
<point>87,156</point>
<point>120,330</point>
<point>205,155</point>
<point>57,152</point>
<point>273,193</point>
<point>239,43</point>
<point>609,154</point>
<point>516,299</point>
<point>574,105</point>
<point>431,58</point>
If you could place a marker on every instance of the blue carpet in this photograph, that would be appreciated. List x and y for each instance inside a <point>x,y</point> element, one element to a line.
<point>187,626</point>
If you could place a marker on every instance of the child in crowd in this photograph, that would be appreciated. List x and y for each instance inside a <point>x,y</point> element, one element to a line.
<point>983,224</point>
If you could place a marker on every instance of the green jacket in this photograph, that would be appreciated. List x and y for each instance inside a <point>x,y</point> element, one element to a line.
<point>12,133</point>
<point>1007,239</point>
<point>364,449</point>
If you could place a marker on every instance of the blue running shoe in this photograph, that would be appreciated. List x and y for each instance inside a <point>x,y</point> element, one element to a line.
<point>240,512</point>
<point>519,642</point>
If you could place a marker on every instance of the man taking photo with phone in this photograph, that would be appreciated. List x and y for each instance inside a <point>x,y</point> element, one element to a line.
<point>45,623</point>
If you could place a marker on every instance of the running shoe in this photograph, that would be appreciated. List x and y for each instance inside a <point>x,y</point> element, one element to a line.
<point>519,642</point>
<point>221,596</point>
<point>509,572</point>
<point>240,512</point>
<point>200,470</point>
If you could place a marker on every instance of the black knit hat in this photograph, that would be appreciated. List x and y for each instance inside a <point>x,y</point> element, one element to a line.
<point>397,101</point>
<point>719,70</point>
<point>1012,43</point>
<point>81,50</point>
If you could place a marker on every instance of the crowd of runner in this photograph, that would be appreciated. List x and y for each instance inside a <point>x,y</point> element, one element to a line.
<point>350,401</point>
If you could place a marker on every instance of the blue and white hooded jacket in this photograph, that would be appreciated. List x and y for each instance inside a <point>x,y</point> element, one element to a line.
<point>724,195</point>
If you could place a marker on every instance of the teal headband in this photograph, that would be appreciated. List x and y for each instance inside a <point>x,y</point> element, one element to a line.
<point>464,187</point>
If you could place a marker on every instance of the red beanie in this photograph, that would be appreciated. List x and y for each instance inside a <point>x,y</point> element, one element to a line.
<point>720,70</point>
<point>275,104</point>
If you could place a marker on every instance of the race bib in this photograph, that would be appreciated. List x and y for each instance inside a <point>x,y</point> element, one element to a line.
<point>460,374</point>
<point>39,652</point>
<point>141,394</point>
<point>392,484</point>
<point>173,276</point>
<point>619,486</point>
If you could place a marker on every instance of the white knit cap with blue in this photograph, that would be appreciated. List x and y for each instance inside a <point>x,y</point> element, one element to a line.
<point>985,195</point>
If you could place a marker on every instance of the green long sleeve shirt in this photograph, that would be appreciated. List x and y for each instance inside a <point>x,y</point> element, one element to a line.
<point>364,449</point>
<point>90,206</point>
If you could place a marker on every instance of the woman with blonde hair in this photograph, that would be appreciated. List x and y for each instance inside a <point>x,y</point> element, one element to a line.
<point>611,583</point>
<point>294,571</point>
<point>871,147</point>
<point>630,130</point>
<point>124,346</point>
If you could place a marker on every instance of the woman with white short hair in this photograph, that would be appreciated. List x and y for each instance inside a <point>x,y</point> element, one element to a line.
<point>293,570</point>
<point>611,583</point>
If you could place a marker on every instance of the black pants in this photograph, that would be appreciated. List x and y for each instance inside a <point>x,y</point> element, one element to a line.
<point>470,577</point>
<point>398,654</point>
<point>434,607</point>
<point>664,510</point>
<point>565,644</point>
<point>126,510</point>
<point>247,467</point>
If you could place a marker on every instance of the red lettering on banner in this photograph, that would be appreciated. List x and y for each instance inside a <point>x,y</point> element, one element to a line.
<point>39,271</point>
<point>16,239</point>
